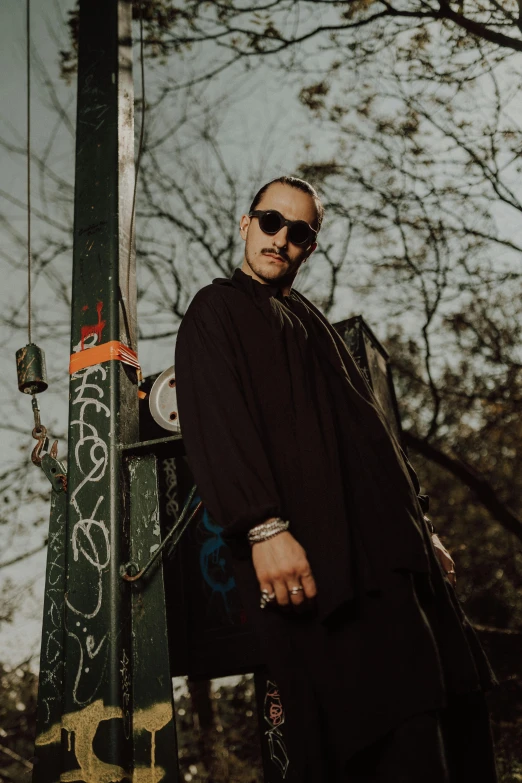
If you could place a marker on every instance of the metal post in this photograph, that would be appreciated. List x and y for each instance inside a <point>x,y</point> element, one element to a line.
<point>154,729</point>
<point>47,758</point>
<point>96,743</point>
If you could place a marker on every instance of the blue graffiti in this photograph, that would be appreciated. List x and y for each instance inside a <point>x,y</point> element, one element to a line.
<point>213,564</point>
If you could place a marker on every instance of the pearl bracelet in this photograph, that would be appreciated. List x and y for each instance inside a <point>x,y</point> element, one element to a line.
<point>267,530</point>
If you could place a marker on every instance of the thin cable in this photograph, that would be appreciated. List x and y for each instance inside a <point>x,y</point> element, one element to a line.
<point>29,259</point>
<point>36,410</point>
<point>137,170</point>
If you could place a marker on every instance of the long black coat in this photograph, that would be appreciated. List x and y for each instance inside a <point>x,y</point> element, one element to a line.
<point>278,421</point>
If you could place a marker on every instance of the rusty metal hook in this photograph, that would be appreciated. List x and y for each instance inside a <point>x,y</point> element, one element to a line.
<point>40,434</point>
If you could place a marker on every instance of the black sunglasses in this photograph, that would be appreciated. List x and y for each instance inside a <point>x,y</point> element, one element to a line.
<point>271,222</point>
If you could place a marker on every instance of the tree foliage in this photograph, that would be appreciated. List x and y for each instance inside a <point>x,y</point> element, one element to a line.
<point>17,722</point>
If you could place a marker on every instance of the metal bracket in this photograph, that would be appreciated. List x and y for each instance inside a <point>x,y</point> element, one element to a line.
<point>55,472</point>
<point>48,462</point>
<point>131,572</point>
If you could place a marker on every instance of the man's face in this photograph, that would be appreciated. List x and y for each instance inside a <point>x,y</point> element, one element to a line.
<point>271,258</point>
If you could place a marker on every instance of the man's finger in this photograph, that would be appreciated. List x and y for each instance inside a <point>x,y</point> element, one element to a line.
<point>267,591</point>
<point>309,586</point>
<point>281,591</point>
<point>296,592</point>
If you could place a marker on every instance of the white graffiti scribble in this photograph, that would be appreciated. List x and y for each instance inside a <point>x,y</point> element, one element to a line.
<point>98,451</point>
<point>126,692</point>
<point>90,535</point>
<point>85,670</point>
<point>51,669</point>
<point>171,486</point>
<point>81,536</point>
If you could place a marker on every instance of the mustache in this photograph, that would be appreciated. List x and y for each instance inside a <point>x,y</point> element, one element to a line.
<point>273,252</point>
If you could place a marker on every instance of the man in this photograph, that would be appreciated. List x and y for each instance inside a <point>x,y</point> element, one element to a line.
<point>350,597</point>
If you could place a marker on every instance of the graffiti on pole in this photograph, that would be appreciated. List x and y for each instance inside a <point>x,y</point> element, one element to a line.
<point>84,724</point>
<point>171,487</point>
<point>89,532</point>
<point>52,664</point>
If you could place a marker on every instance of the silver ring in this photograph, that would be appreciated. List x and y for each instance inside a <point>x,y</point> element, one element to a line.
<point>266,598</point>
<point>295,590</point>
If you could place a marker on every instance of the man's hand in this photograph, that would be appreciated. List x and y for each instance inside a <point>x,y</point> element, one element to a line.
<point>445,559</point>
<point>281,564</point>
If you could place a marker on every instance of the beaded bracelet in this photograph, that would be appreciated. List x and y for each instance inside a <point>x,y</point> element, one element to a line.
<point>267,530</point>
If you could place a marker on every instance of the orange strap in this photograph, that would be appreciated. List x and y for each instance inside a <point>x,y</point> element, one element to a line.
<point>104,353</point>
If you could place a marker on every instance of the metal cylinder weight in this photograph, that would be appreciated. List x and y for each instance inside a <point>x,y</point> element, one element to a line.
<point>31,370</point>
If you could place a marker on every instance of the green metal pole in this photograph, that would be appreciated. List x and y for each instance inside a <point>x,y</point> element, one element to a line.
<point>47,755</point>
<point>96,742</point>
<point>154,727</point>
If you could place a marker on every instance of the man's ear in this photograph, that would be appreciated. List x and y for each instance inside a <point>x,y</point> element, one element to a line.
<point>312,248</point>
<point>243,226</point>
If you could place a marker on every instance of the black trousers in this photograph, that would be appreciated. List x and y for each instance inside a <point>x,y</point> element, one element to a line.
<point>453,745</point>
<point>356,682</point>
<point>413,752</point>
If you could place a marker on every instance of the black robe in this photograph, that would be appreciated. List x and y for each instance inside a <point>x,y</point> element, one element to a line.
<point>277,420</point>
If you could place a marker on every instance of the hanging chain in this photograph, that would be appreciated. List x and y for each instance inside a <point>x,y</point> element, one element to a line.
<point>39,434</point>
<point>36,412</point>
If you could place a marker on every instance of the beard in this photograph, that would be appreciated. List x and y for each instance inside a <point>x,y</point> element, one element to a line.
<point>271,273</point>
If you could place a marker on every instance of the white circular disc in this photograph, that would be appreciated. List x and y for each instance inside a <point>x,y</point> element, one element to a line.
<point>163,403</point>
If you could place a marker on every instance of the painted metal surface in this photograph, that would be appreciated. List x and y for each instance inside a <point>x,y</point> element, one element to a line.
<point>50,686</point>
<point>90,738</point>
<point>153,724</point>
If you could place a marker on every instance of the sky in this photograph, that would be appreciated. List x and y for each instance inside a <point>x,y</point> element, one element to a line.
<point>261,122</point>
<point>21,640</point>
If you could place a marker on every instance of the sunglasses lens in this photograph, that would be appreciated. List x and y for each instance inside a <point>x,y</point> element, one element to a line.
<point>270,222</point>
<point>299,233</point>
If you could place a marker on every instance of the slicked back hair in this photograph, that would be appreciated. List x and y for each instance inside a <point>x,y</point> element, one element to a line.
<point>299,184</point>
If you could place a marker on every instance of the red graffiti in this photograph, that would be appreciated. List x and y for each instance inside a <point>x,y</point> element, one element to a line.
<point>96,329</point>
<point>84,308</point>
<point>276,714</point>
<point>275,709</point>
